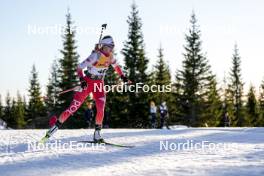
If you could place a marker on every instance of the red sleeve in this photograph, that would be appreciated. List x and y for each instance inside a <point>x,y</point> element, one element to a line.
<point>118,70</point>
<point>116,66</point>
<point>80,72</point>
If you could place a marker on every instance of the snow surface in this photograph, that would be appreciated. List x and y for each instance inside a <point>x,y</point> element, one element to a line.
<point>244,154</point>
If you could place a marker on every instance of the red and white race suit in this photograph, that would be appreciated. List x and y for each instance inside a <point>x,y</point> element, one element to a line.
<point>96,64</point>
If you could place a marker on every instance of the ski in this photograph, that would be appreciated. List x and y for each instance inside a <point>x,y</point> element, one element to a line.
<point>44,139</point>
<point>109,143</point>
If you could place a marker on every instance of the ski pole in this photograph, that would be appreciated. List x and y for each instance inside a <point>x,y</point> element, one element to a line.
<point>102,30</point>
<point>76,88</point>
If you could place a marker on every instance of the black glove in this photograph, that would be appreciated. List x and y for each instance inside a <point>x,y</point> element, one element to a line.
<point>124,78</point>
<point>83,83</point>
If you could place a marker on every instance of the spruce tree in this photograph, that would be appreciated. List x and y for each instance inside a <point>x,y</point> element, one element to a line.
<point>213,112</point>
<point>35,108</point>
<point>195,77</point>
<point>235,90</point>
<point>12,122</point>
<point>7,111</point>
<point>115,107</point>
<point>116,104</point>
<point>251,108</point>
<point>20,112</point>
<point>136,66</point>
<point>162,77</point>
<point>68,63</point>
<point>67,75</point>
<point>52,89</point>
<point>260,121</point>
<point>227,102</point>
<point>177,111</point>
<point>25,107</point>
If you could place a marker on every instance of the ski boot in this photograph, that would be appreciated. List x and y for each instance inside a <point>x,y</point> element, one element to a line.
<point>97,134</point>
<point>55,125</point>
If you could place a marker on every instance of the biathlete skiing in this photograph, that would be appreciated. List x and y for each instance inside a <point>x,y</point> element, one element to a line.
<point>96,64</point>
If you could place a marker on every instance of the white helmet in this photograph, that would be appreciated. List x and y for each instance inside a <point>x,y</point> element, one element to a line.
<point>107,41</point>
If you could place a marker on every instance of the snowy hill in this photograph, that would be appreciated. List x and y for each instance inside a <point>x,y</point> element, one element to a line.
<point>181,151</point>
